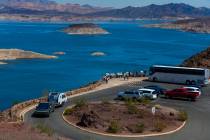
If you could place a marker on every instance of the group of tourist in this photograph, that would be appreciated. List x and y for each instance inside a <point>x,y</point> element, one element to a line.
<point>124,75</point>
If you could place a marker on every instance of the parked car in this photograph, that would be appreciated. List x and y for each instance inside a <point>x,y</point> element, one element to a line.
<point>193,89</point>
<point>182,93</point>
<point>44,109</point>
<point>130,95</point>
<point>58,99</point>
<point>158,89</point>
<point>149,93</point>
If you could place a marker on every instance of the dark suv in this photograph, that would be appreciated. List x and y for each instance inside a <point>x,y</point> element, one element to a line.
<point>44,109</point>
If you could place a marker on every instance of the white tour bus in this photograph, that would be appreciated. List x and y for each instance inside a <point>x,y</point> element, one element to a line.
<point>181,75</point>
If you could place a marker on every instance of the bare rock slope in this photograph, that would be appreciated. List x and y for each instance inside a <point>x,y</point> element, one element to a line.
<point>201,60</point>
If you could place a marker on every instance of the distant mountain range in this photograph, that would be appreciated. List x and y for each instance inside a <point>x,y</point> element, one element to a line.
<point>52,10</point>
<point>156,11</point>
<point>21,6</point>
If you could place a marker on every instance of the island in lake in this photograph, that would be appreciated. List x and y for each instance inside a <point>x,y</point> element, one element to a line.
<point>12,54</point>
<point>201,60</point>
<point>85,29</point>
<point>198,25</point>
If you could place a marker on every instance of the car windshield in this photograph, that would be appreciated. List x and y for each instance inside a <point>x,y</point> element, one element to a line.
<point>43,106</point>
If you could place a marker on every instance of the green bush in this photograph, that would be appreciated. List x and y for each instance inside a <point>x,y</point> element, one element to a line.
<point>68,111</point>
<point>132,109</point>
<point>182,116</point>
<point>139,128</point>
<point>113,127</point>
<point>159,126</point>
<point>44,129</point>
<point>81,103</point>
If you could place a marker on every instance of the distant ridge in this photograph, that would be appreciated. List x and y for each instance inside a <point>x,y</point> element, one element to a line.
<point>49,5</point>
<point>48,10</point>
<point>156,11</point>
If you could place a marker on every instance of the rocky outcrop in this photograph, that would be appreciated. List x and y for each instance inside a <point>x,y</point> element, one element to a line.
<point>201,60</point>
<point>59,53</point>
<point>85,29</point>
<point>12,54</point>
<point>200,25</point>
<point>98,54</point>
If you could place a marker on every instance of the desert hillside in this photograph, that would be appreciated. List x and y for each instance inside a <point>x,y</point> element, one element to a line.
<point>201,60</point>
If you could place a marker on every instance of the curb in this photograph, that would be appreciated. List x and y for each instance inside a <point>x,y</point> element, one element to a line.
<point>24,111</point>
<point>122,136</point>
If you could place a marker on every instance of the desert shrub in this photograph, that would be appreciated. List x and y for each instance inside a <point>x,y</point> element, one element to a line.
<point>141,114</point>
<point>139,128</point>
<point>45,129</point>
<point>132,109</point>
<point>145,101</point>
<point>182,116</point>
<point>157,106</point>
<point>105,101</point>
<point>68,111</point>
<point>81,103</point>
<point>114,127</point>
<point>159,126</point>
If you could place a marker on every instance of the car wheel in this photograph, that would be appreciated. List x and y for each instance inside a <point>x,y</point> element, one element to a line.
<point>192,99</point>
<point>188,82</point>
<point>193,82</point>
<point>120,97</point>
<point>154,79</point>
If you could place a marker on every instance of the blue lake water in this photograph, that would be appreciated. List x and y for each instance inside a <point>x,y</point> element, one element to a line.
<point>129,47</point>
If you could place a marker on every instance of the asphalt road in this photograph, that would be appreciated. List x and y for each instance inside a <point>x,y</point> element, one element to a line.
<point>197,127</point>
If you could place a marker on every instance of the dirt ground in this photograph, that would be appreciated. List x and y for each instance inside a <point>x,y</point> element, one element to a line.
<point>123,118</point>
<point>15,131</point>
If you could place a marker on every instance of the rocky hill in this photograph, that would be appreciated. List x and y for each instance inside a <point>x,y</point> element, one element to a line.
<point>201,60</point>
<point>85,29</point>
<point>200,25</point>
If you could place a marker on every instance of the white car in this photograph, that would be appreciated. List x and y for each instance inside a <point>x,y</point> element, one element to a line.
<point>59,99</point>
<point>130,95</point>
<point>193,89</point>
<point>148,93</point>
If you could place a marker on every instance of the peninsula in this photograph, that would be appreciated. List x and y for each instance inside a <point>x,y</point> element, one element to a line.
<point>85,29</point>
<point>198,25</point>
<point>12,54</point>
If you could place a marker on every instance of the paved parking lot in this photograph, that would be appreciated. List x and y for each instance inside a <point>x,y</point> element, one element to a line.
<point>197,127</point>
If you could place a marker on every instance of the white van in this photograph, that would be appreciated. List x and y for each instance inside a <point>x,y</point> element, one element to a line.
<point>59,99</point>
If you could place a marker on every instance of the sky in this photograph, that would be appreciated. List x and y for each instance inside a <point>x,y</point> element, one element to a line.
<point>124,3</point>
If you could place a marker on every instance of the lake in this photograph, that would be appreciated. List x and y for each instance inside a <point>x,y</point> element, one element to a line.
<point>129,47</point>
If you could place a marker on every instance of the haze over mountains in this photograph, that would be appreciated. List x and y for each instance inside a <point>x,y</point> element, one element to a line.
<point>67,11</point>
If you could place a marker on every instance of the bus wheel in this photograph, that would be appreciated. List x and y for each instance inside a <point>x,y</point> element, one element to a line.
<point>154,79</point>
<point>188,82</point>
<point>193,83</point>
